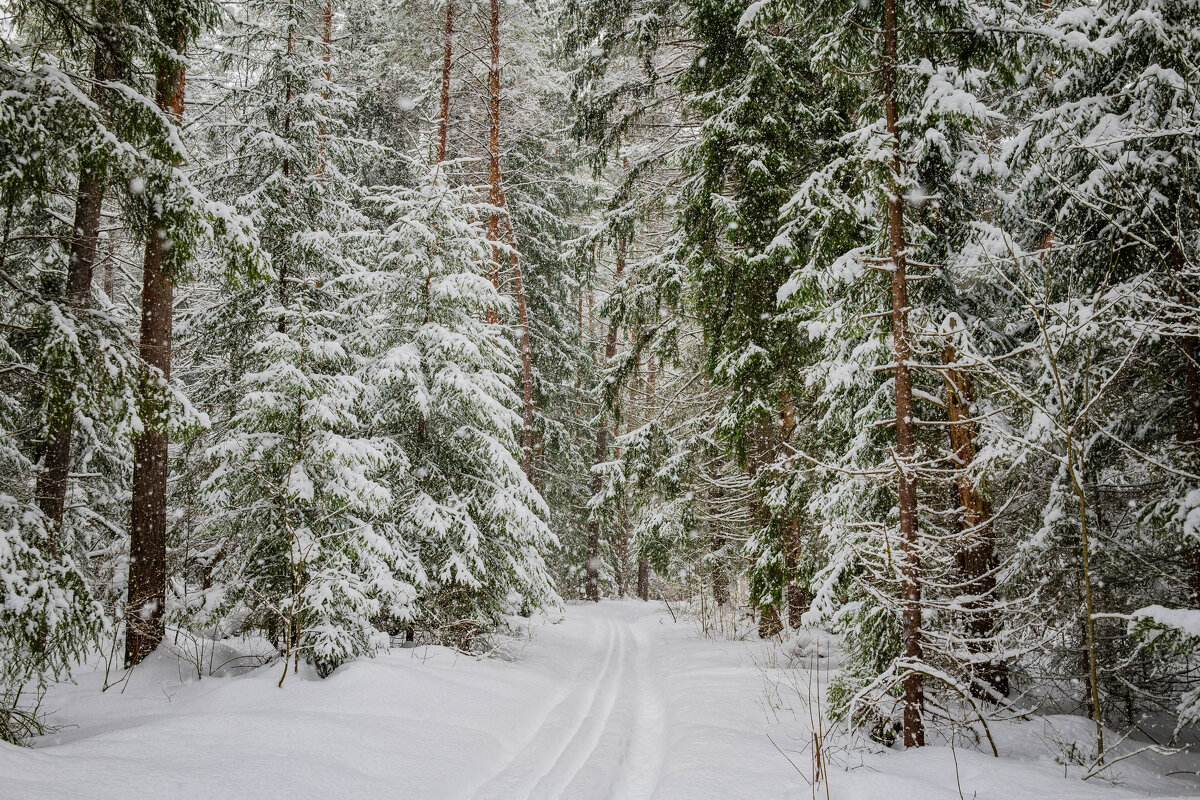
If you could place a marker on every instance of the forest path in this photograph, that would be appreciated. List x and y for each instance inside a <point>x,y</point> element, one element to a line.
<point>603,737</point>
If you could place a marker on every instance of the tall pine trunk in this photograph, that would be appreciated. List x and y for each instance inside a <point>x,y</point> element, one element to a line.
<point>148,518</point>
<point>289,94</point>
<point>444,105</point>
<point>592,585</point>
<point>622,548</point>
<point>526,350</point>
<point>51,488</point>
<point>910,564</point>
<point>799,598</point>
<point>760,451</point>
<point>493,226</point>
<point>497,199</point>
<point>720,578</point>
<point>326,58</point>
<point>1190,429</point>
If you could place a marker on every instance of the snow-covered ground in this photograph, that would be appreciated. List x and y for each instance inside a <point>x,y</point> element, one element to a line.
<point>615,701</point>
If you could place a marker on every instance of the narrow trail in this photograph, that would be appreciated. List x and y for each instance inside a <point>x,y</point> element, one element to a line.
<point>603,737</point>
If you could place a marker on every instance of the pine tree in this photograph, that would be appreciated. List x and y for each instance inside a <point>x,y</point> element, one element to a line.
<point>443,375</point>
<point>298,483</point>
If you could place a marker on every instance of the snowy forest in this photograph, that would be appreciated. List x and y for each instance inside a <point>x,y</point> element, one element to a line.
<point>862,335</point>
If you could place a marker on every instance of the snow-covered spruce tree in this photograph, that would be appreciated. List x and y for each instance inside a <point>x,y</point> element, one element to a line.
<point>1098,254</point>
<point>511,102</point>
<point>443,396</point>
<point>301,542</point>
<point>888,201</point>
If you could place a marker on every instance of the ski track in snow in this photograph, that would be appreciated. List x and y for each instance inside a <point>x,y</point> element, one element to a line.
<point>612,717</point>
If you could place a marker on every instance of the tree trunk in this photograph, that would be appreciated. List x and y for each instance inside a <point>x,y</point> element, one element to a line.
<point>289,94</point>
<point>526,351</point>
<point>447,58</point>
<point>593,562</point>
<point>760,449</point>
<point>610,350</point>
<point>326,58</point>
<point>910,565</point>
<point>797,594</point>
<point>799,597</point>
<point>51,488</point>
<point>769,623</point>
<point>498,200</point>
<point>720,578</point>
<point>110,269</point>
<point>148,529</point>
<point>976,555</point>
<point>493,226</point>
<point>643,566</point>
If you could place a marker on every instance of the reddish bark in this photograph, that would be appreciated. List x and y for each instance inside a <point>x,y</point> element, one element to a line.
<point>497,200</point>
<point>148,528</point>
<point>493,227</point>
<point>910,564</point>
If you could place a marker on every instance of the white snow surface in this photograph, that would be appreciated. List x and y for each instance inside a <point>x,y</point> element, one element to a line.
<point>614,701</point>
<point>1186,620</point>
